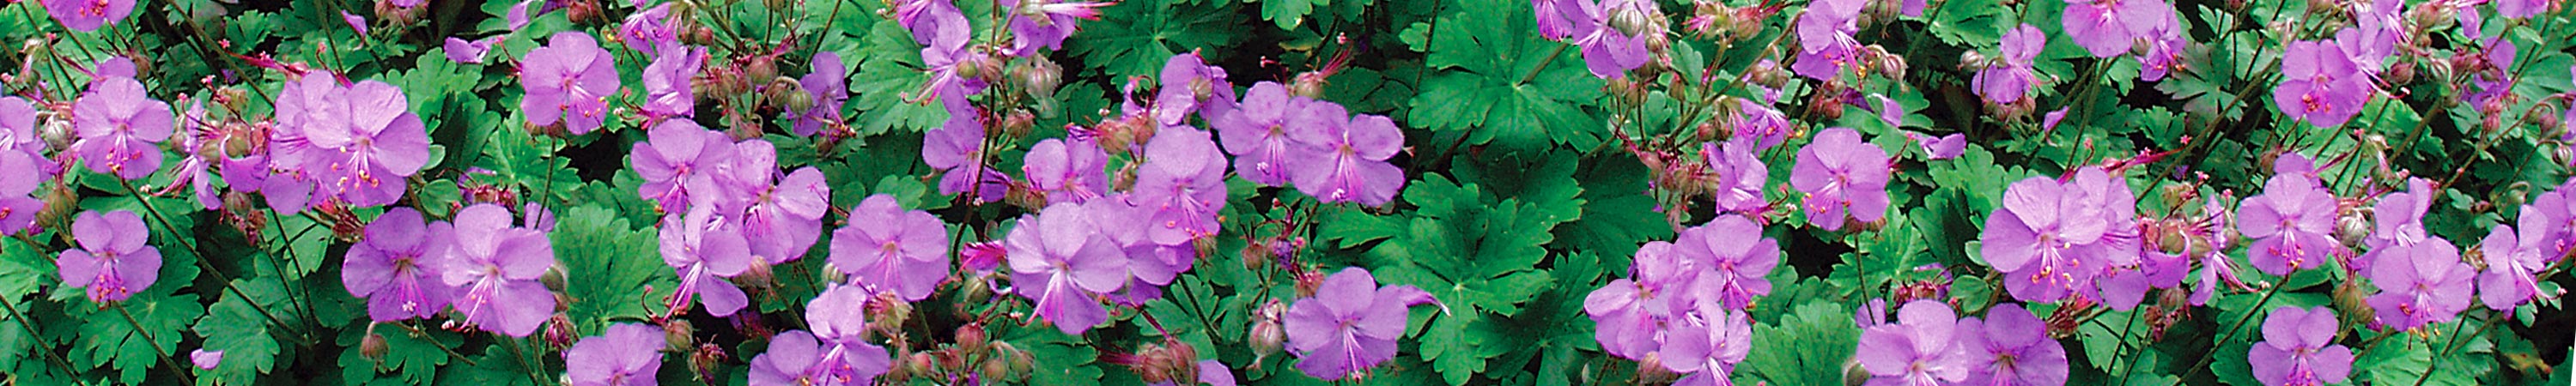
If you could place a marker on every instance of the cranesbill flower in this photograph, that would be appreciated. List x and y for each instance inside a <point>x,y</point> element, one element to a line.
<point>496,266</point>
<point>626,355</point>
<point>2508,280</point>
<point>2292,222</point>
<point>1760,125</point>
<point>2298,349</point>
<point>796,358</point>
<point>1561,19</point>
<point>2424,283</point>
<point>88,15</point>
<point>956,149</point>
<point>2007,82</point>
<point>1045,23</point>
<point>1350,325</point>
<point>2321,85</point>
<point>389,268</point>
<point>1740,175</point>
<point>1917,350</point>
<point>2397,221</point>
<point>470,51</point>
<point>783,220</point>
<point>1707,343</point>
<point>1825,44</point>
<point>2519,9</point>
<point>568,81</point>
<point>1256,132</point>
<point>2103,27</point>
<point>1737,258</point>
<point>1347,158</point>
<point>1843,177</point>
<point>887,248</point>
<point>1191,86</point>
<point>677,161</point>
<point>18,127</point>
<point>1942,147</point>
<point>121,128</point>
<point>1631,312</point>
<point>2548,224</point>
<point>112,262</point>
<point>1067,170</point>
<point>17,207</point>
<point>705,249</point>
<point>650,30</point>
<point>1616,41</point>
<point>666,81</point>
<point>380,146</point>
<point>829,85</point>
<point>1182,183</point>
<point>2012,348</point>
<point>1058,260</point>
<point>2048,239</point>
<point>206,359</point>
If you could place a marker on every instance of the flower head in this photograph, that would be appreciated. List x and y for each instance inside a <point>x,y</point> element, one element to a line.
<point>650,30</point>
<point>2508,281</point>
<point>829,85</point>
<point>1059,261</point>
<point>2012,347</point>
<point>121,128</point>
<point>677,161</point>
<point>2321,85</point>
<point>2052,239</point>
<point>1347,156</point>
<point>796,358</point>
<point>2397,221</point>
<point>1825,38</point>
<point>88,15</point>
<point>1350,325</point>
<point>1632,312</point>
<point>1256,132</point>
<point>381,145</point>
<point>705,249</point>
<point>1182,183</point>
<point>2109,28</point>
<point>1741,176</point>
<point>1190,85</point>
<point>1067,170</point>
<point>496,266</point>
<point>2007,82</point>
<point>2422,283</point>
<point>2298,349</point>
<point>1614,38</point>
<point>390,268</point>
<point>666,81</point>
<point>112,261</point>
<point>957,150</point>
<point>1045,23</point>
<point>1843,177</point>
<point>2292,222</point>
<point>569,81</point>
<point>889,249</point>
<point>1917,350</point>
<point>627,354</point>
<point>1736,256</point>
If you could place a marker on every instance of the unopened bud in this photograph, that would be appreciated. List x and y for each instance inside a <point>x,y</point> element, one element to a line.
<point>373,346</point>
<point>2352,227</point>
<point>678,335</point>
<point>970,338</point>
<point>761,67</point>
<point>1307,281</point>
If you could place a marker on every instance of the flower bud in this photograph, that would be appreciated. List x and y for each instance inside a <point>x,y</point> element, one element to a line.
<point>1267,335</point>
<point>761,67</point>
<point>2400,73</point>
<point>2351,301</point>
<point>58,131</point>
<point>1038,75</point>
<point>678,335</point>
<point>2353,226</point>
<point>707,358</point>
<point>970,338</point>
<point>915,364</point>
<point>1309,84</point>
<point>583,11</point>
<point>373,346</point>
<point>559,333</point>
<point>888,312</point>
<point>1307,281</point>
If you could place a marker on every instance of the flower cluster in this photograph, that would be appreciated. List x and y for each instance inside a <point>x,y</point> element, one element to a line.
<point>1277,138</point>
<point>2051,238</point>
<point>835,352</point>
<point>568,82</point>
<point>1685,301</point>
<point>1844,179</point>
<point>1351,324</point>
<point>728,209</point>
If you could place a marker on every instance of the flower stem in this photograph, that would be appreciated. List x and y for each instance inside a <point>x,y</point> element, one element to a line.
<point>2232,329</point>
<point>156,345</point>
<point>200,258</point>
<point>38,338</point>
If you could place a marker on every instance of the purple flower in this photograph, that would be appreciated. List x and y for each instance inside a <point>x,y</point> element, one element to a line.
<point>1191,86</point>
<point>2107,28</point>
<point>650,30</point>
<point>112,261</point>
<point>1707,343</point>
<point>356,23</point>
<point>2397,221</point>
<point>2292,222</point>
<point>1352,156</point>
<point>381,145</point>
<point>783,220</point>
<point>2425,283</point>
<point>1183,183</point>
<point>1942,147</point>
<point>957,151</point>
<point>2051,239</point>
<point>1614,39</point>
<point>1350,325</point>
<point>1842,177</point>
<point>2508,280</point>
<point>796,358</point>
<point>626,355</point>
<point>1067,170</point>
<point>470,51</point>
<point>206,359</point>
<point>496,266</point>
<point>943,36</point>
<point>390,268</point>
<point>888,248</point>
<point>1741,175</point>
<point>666,81</point>
<point>569,81</point>
<point>1256,132</point>
<point>1632,312</point>
<point>2012,347</point>
<point>17,208</point>
<point>120,128</point>
<point>1059,260</point>
<point>1917,350</point>
<point>829,85</point>
<point>2514,9</point>
<point>1045,23</point>
<point>2007,82</point>
<point>2548,224</point>
<point>677,161</point>
<point>2320,85</point>
<point>1825,44</point>
<point>705,249</point>
<point>1561,19</point>
<point>2298,349</point>
<point>1736,256</point>
<point>88,15</point>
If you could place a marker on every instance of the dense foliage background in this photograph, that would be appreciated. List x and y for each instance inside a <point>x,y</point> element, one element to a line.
<point>2121,192</point>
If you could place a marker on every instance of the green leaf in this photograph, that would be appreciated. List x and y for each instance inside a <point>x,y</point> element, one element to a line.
<point>1458,345</point>
<point>607,264</point>
<point>1503,94</point>
<point>1973,23</point>
<point>1136,37</point>
<point>1059,359</point>
<point>241,332</point>
<point>108,338</point>
<point>1289,13</point>
<point>1807,347</point>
